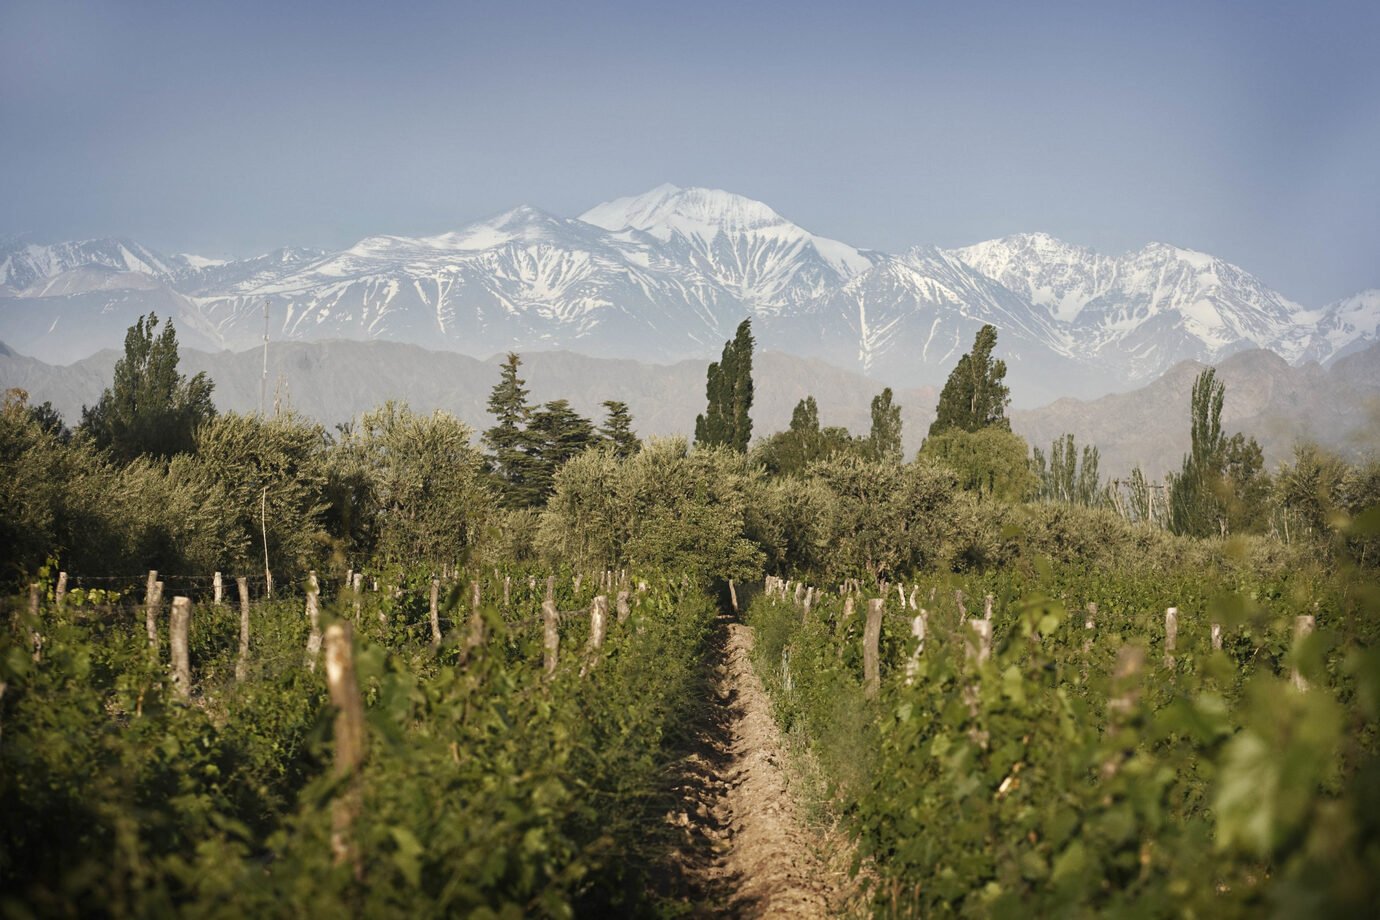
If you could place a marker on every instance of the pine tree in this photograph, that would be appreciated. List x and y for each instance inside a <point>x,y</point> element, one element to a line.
<point>556,433</point>
<point>728,391</point>
<point>509,456</point>
<point>149,409</point>
<point>974,396</point>
<point>617,431</point>
<point>884,441</point>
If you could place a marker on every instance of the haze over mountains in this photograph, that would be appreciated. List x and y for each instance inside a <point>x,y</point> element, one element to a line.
<point>665,276</point>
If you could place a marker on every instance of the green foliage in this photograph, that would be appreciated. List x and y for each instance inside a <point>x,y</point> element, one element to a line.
<point>1062,478</point>
<point>974,397</point>
<point>666,508</point>
<point>990,462</point>
<point>726,421</point>
<point>510,456</point>
<point>150,409</point>
<point>617,430</point>
<point>419,485</point>
<point>488,787</point>
<point>804,442</point>
<point>884,439</point>
<point>556,434</point>
<point>1077,772</point>
<point>1221,487</point>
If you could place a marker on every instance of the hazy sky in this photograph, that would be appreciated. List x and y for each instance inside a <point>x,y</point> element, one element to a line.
<point>1250,130</point>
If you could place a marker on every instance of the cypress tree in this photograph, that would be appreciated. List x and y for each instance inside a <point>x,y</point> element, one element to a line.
<point>728,391</point>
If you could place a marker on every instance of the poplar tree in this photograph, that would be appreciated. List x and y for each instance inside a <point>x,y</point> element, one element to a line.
<point>884,441</point>
<point>149,409</point>
<point>728,391</point>
<point>974,396</point>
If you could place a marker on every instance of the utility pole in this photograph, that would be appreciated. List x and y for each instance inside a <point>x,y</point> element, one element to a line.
<point>263,382</point>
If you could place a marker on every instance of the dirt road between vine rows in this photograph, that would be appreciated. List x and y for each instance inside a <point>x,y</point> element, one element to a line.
<point>746,851</point>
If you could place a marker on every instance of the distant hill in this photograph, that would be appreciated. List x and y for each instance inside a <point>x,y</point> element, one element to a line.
<point>1265,397</point>
<point>337,380</point>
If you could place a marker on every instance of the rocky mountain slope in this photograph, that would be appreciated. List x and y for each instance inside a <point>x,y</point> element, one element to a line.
<point>667,275</point>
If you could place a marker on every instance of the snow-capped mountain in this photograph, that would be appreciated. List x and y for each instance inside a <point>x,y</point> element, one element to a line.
<point>764,260</point>
<point>668,274</point>
<point>1148,309</point>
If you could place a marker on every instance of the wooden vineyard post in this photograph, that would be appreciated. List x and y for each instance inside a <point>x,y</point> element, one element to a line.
<point>179,624</point>
<point>151,609</point>
<point>579,577</point>
<point>242,661</point>
<point>60,595</point>
<point>848,603</point>
<point>1217,637</point>
<point>962,607</point>
<point>349,742</point>
<point>1171,635</point>
<point>980,648</point>
<point>624,608</point>
<point>314,618</point>
<point>357,587</point>
<point>551,588</point>
<point>1303,627</point>
<point>918,627</point>
<point>35,637</point>
<point>901,593</point>
<point>475,636</point>
<point>987,607</point>
<point>872,636</point>
<point>808,605</point>
<point>1089,623</point>
<point>435,611</point>
<point>914,590</point>
<point>217,589</point>
<point>732,595</point>
<point>598,622</point>
<point>800,594</point>
<point>507,590</point>
<point>551,636</point>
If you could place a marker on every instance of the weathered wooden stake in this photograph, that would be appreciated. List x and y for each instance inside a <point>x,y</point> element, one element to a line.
<point>624,607</point>
<point>598,621</point>
<point>242,662</point>
<point>872,636</point>
<point>350,742</point>
<point>918,627</point>
<point>551,588</point>
<point>1090,617</point>
<point>809,604</point>
<point>179,624</point>
<point>551,635</point>
<point>507,589</point>
<point>474,638</point>
<point>314,618</point>
<point>848,608</point>
<point>1217,637</point>
<point>217,589</point>
<point>579,577</point>
<point>800,594</point>
<point>356,587</point>
<point>987,607</point>
<point>1171,635</point>
<point>151,609</point>
<point>732,595</point>
<point>901,594</point>
<point>60,595</point>
<point>980,649</point>
<point>962,607</point>
<point>35,637</point>
<point>1303,627</point>
<point>435,612</point>
<point>914,590</point>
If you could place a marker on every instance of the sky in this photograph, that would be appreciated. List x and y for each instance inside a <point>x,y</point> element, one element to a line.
<point>1249,130</point>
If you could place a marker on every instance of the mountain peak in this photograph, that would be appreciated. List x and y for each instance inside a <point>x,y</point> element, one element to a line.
<point>701,212</point>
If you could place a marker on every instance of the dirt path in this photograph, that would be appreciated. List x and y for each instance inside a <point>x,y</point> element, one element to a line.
<point>745,852</point>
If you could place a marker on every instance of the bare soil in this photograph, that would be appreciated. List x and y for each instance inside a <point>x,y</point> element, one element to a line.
<point>742,849</point>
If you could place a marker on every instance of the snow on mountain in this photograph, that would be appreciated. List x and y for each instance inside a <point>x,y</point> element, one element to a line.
<point>764,260</point>
<point>668,274</point>
<point>1147,309</point>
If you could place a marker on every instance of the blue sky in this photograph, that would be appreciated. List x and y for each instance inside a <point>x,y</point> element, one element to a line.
<point>1250,130</point>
